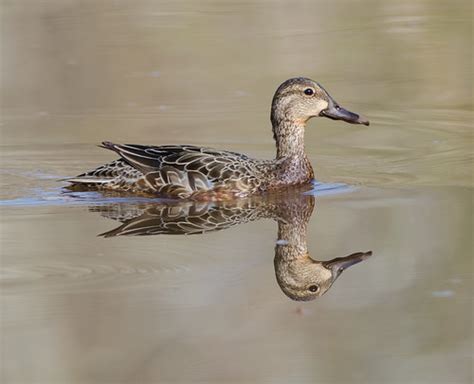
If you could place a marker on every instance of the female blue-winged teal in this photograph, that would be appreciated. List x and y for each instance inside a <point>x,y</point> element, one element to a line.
<point>190,172</point>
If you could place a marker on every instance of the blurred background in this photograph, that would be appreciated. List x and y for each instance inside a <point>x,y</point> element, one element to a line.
<point>82,309</point>
<point>79,72</point>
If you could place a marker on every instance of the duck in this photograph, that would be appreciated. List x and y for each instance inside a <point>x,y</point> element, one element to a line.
<point>200,173</point>
<point>299,276</point>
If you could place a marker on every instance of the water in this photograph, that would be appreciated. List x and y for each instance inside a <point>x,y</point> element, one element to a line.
<point>82,308</point>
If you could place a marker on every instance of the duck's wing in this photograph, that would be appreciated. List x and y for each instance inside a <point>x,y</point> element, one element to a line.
<point>148,158</point>
<point>139,160</point>
<point>180,170</point>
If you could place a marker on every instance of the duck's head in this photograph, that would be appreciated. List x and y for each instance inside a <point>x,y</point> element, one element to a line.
<point>305,279</point>
<point>299,99</point>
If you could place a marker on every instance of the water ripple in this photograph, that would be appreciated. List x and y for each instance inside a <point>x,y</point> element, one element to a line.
<point>79,276</point>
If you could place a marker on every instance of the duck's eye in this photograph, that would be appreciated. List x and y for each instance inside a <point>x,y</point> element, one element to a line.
<point>309,91</point>
<point>313,288</point>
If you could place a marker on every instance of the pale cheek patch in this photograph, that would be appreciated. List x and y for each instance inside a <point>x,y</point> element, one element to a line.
<point>312,108</point>
<point>321,105</point>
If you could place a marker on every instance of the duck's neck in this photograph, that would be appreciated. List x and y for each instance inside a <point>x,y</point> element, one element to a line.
<point>289,137</point>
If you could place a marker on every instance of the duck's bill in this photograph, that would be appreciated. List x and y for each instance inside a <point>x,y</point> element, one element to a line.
<point>338,265</point>
<point>336,112</point>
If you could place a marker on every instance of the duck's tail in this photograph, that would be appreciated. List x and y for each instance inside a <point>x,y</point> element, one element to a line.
<point>107,173</point>
<point>86,179</point>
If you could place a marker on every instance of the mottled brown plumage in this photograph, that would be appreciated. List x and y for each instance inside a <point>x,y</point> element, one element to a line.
<point>190,172</point>
<point>299,276</point>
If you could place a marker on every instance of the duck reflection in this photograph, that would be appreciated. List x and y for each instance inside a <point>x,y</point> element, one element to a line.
<point>299,276</point>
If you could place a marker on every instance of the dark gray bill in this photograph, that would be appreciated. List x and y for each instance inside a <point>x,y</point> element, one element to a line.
<point>339,264</point>
<point>336,112</point>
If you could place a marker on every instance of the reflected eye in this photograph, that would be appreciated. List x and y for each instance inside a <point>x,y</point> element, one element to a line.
<point>313,288</point>
<point>309,92</point>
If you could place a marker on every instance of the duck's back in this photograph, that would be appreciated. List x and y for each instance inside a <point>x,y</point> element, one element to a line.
<point>179,171</point>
